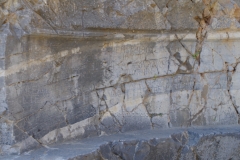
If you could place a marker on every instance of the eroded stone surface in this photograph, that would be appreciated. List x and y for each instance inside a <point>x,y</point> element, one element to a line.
<point>192,143</point>
<point>77,69</point>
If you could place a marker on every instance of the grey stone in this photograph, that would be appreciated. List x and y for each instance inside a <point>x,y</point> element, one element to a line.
<point>79,69</point>
<point>195,143</point>
<point>142,150</point>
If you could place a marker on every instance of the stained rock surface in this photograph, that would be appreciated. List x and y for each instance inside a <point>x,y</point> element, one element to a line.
<point>85,68</point>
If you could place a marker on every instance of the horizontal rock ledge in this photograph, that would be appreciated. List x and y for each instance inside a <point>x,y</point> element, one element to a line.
<point>179,143</point>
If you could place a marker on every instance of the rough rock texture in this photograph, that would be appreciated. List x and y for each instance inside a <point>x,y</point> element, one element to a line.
<point>80,68</point>
<point>219,143</point>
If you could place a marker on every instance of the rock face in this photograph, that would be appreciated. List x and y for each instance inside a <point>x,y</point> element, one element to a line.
<point>78,68</point>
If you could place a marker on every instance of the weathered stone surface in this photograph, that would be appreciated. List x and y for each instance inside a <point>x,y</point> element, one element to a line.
<point>192,143</point>
<point>78,69</point>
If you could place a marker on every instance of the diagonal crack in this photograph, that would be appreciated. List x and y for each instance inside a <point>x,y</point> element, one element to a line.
<point>31,137</point>
<point>29,6</point>
<point>229,79</point>
<point>180,41</point>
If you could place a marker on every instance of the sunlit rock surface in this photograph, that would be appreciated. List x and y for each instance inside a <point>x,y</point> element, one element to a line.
<point>76,69</point>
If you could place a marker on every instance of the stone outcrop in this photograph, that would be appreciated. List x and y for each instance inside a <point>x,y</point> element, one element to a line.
<point>80,68</point>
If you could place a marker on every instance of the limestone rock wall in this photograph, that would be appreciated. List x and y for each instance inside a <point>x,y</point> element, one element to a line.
<point>79,68</point>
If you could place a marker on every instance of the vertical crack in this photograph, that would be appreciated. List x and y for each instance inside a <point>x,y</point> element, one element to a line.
<point>149,89</point>
<point>189,102</point>
<point>171,103</point>
<point>107,110</point>
<point>83,27</point>
<point>229,79</point>
<point>201,34</point>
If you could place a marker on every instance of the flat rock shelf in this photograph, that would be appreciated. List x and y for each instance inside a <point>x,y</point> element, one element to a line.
<point>203,143</point>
